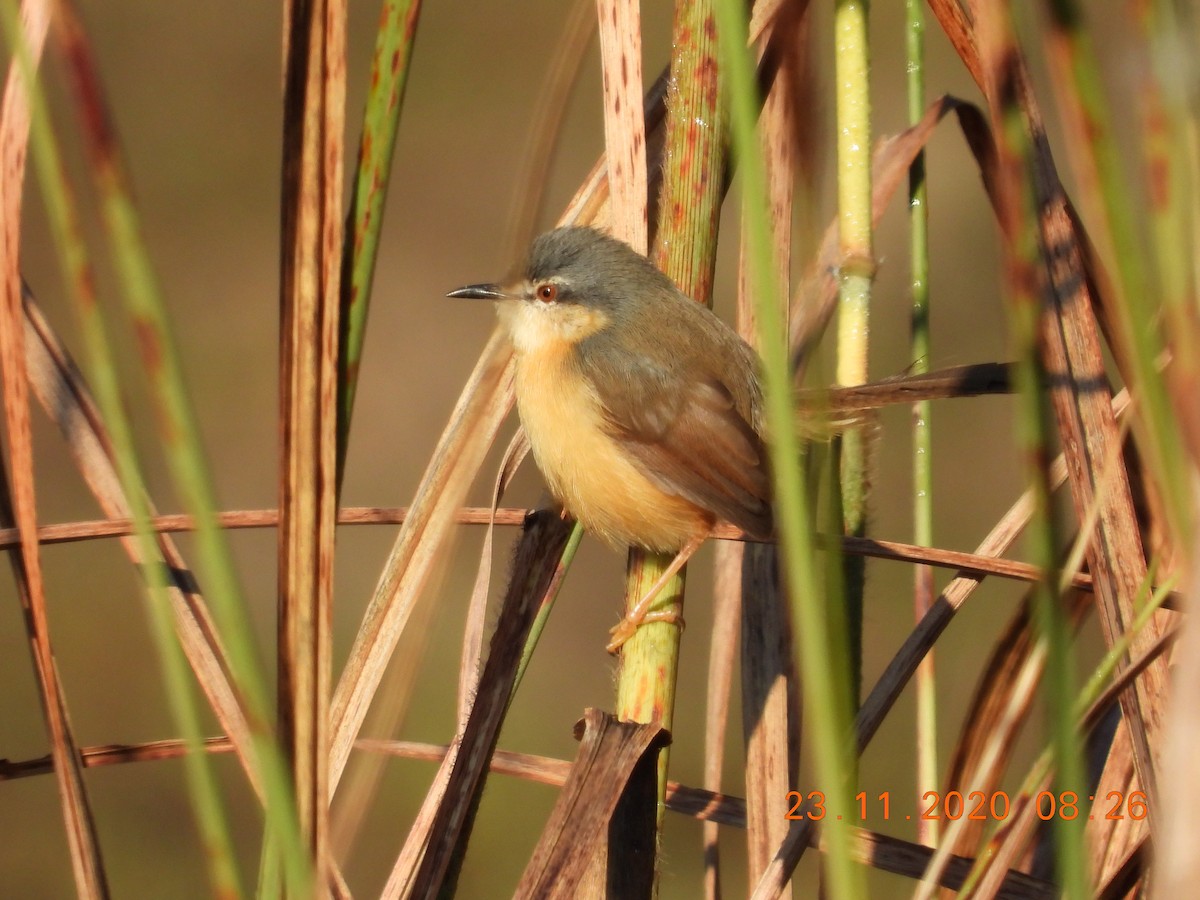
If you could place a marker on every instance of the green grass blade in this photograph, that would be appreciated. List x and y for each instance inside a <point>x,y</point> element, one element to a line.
<point>180,690</point>
<point>1023,260</point>
<point>372,175</point>
<point>824,669</point>
<point>180,438</point>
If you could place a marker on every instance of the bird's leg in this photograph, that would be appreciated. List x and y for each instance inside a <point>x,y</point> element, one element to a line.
<point>641,613</point>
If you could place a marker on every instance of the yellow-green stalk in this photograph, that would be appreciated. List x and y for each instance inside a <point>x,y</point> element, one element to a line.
<point>852,68</point>
<point>685,249</point>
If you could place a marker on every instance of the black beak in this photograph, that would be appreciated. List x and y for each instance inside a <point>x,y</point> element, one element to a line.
<point>478,292</point>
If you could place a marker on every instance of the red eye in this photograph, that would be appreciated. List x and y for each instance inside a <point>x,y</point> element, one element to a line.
<point>547,293</point>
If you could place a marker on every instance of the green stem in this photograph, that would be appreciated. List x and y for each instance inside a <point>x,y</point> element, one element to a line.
<point>684,248</point>
<point>926,687</point>
<point>381,121</point>
<point>852,67</point>
<point>824,669</point>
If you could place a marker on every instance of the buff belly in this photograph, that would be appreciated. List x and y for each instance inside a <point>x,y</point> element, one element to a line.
<point>585,468</point>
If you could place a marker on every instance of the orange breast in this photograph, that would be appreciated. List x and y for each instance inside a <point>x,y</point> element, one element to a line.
<point>585,468</point>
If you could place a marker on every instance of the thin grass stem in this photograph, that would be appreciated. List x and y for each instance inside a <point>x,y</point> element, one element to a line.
<point>920,348</point>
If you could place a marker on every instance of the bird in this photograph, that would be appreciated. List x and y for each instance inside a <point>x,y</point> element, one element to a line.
<point>643,409</point>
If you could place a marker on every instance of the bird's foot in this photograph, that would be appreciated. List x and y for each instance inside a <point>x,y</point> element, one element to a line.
<point>642,612</point>
<point>625,629</point>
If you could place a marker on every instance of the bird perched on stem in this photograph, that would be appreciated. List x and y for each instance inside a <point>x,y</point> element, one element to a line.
<point>642,408</point>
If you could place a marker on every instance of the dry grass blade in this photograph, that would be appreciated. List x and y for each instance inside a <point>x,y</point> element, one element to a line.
<point>891,854</point>
<point>610,790</point>
<point>86,863</point>
<point>485,401</point>
<point>989,724</point>
<point>877,548</point>
<point>902,667</point>
<point>624,123</point>
<point>1111,840</point>
<point>989,735</point>
<point>570,51</point>
<point>20,507</point>
<point>1082,132</point>
<point>770,691</point>
<point>1012,844</point>
<point>1125,878</point>
<point>65,398</point>
<point>770,704</point>
<point>472,653</point>
<point>1082,400</point>
<point>977,564</point>
<point>727,611</point>
<point>958,29</point>
<point>111,755</point>
<point>765,14</point>
<point>314,120</point>
<point>437,839</point>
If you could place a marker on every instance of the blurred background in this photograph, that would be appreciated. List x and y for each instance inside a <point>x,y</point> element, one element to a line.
<point>195,91</point>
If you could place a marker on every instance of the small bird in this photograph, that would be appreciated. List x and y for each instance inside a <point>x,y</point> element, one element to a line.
<point>642,408</point>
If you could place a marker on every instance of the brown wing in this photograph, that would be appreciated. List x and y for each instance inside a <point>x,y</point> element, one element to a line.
<point>695,444</point>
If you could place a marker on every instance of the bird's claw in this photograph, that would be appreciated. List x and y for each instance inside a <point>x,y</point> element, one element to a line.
<point>627,627</point>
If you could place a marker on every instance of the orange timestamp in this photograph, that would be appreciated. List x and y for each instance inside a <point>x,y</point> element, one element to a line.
<point>974,806</point>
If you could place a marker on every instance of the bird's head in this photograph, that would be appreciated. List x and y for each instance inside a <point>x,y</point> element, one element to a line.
<point>576,282</point>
